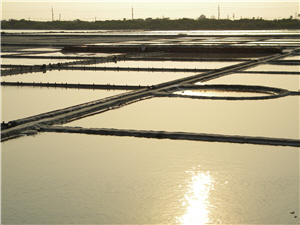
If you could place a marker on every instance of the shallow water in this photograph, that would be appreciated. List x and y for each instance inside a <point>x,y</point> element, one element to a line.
<point>220,93</point>
<point>266,67</point>
<point>86,179</point>
<point>295,57</point>
<point>277,43</point>
<point>284,40</point>
<point>268,118</point>
<point>16,61</point>
<point>289,82</point>
<point>169,64</point>
<point>20,102</point>
<point>97,77</point>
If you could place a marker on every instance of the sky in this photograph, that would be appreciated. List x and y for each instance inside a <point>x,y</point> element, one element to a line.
<point>118,10</point>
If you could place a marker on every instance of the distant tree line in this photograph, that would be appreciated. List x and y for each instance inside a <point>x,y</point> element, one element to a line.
<point>202,23</point>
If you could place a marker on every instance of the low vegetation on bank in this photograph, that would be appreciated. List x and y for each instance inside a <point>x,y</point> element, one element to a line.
<point>156,24</point>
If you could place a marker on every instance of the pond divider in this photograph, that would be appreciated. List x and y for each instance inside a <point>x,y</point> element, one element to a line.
<point>285,62</point>
<point>77,86</point>
<point>97,68</point>
<point>48,57</point>
<point>174,135</point>
<point>271,72</point>
<point>140,58</point>
<point>22,70</point>
<point>190,59</point>
<point>267,92</point>
<point>174,48</point>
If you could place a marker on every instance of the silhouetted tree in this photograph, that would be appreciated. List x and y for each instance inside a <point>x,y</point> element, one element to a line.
<point>202,17</point>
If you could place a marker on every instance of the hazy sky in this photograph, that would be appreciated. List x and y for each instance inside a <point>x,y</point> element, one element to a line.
<point>110,10</point>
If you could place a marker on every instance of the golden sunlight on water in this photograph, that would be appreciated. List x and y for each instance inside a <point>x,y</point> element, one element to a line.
<point>196,198</point>
<point>218,93</point>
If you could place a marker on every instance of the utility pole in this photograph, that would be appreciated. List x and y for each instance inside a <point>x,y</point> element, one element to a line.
<point>59,17</point>
<point>52,14</point>
<point>132,12</point>
<point>218,12</point>
<point>233,16</point>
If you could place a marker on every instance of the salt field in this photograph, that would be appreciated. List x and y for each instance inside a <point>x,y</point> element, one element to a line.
<point>138,155</point>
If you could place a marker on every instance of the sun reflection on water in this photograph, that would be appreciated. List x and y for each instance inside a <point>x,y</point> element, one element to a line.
<point>196,198</point>
<point>220,93</point>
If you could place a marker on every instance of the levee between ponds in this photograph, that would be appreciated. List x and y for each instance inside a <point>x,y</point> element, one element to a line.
<point>175,135</point>
<point>203,49</point>
<point>75,86</point>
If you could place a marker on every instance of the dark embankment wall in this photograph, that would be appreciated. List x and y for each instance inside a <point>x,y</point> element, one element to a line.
<point>156,24</point>
<point>174,49</point>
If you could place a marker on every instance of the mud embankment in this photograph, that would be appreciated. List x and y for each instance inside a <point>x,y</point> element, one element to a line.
<point>175,135</point>
<point>217,49</point>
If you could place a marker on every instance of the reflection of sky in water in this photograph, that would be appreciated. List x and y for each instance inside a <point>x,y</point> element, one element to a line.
<point>267,67</point>
<point>26,61</point>
<point>275,42</point>
<point>289,82</point>
<point>88,179</point>
<point>97,77</point>
<point>293,57</point>
<point>57,98</point>
<point>169,64</point>
<point>267,118</point>
<point>218,93</point>
<point>196,198</point>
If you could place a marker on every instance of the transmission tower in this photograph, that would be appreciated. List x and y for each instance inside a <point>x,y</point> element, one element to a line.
<point>132,12</point>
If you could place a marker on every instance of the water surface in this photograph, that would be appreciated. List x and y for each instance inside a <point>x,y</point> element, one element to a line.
<point>220,93</point>
<point>170,64</point>
<point>20,102</point>
<point>284,81</point>
<point>84,179</point>
<point>268,118</point>
<point>97,77</point>
<point>295,57</point>
<point>17,61</point>
<point>266,67</point>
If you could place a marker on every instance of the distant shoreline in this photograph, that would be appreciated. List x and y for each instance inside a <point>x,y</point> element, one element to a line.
<point>155,24</point>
